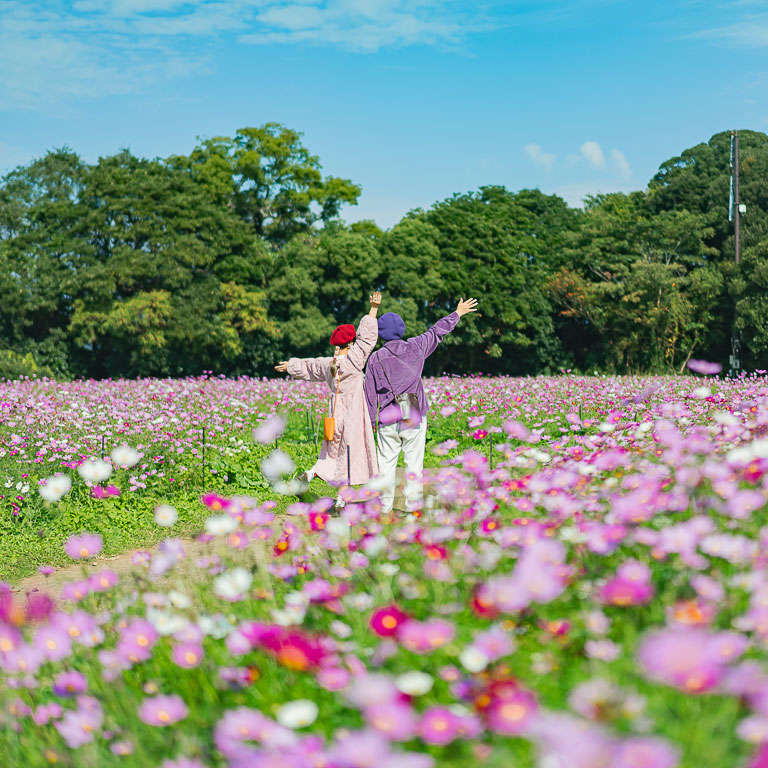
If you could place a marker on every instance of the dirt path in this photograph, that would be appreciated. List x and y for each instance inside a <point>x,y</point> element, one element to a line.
<point>120,564</point>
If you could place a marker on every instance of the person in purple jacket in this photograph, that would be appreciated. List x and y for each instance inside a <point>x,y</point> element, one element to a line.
<point>396,399</point>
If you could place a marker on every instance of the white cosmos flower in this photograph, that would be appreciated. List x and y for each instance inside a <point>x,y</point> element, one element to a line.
<point>179,599</point>
<point>701,392</point>
<point>293,487</point>
<point>269,430</point>
<point>725,418</point>
<point>473,660</point>
<point>220,525</point>
<point>340,629</point>
<point>217,626</point>
<point>166,515</point>
<point>166,623</point>
<point>297,714</point>
<point>389,569</point>
<point>374,545</point>
<point>55,487</point>
<point>377,483</point>
<point>95,470</point>
<point>277,465</point>
<point>233,584</point>
<point>414,683</point>
<point>125,456</point>
<point>338,529</point>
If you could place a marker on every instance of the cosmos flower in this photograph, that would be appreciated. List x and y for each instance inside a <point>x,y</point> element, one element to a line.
<point>95,470</point>
<point>163,710</point>
<point>55,487</point>
<point>124,456</point>
<point>83,546</point>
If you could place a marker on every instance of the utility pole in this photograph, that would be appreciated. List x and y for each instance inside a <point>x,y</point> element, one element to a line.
<point>737,239</point>
<point>735,361</point>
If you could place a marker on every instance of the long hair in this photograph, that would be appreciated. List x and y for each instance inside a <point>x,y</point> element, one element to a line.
<point>334,362</point>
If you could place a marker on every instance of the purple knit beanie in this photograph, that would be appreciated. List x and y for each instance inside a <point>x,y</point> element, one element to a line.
<point>391,326</point>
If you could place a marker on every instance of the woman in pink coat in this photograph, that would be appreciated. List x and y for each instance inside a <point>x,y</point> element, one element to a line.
<point>353,422</point>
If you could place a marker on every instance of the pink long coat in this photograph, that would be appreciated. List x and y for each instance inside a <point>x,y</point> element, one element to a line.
<point>353,422</point>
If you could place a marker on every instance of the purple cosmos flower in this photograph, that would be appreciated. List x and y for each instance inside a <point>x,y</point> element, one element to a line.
<point>70,684</point>
<point>163,710</point>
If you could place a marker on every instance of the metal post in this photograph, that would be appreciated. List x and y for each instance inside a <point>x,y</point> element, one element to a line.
<point>309,427</point>
<point>736,232</point>
<point>203,459</point>
<point>349,472</point>
<point>490,451</point>
<point>103,437</point>
<point>735,361</point>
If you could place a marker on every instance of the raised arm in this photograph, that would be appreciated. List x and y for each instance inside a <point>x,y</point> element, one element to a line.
<point>367,334</point>
<point>306,369</point>
<point>428,341</point>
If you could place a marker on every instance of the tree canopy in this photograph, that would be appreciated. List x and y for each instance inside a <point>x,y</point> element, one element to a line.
<point>236,255</point>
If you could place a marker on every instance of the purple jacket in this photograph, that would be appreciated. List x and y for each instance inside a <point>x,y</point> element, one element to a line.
<point>404,364</point>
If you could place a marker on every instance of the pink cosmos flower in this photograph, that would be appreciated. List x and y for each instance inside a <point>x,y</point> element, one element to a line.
<point>686,658</point>
<point>102,581</point>
<point>76,590</point>
<point>425,636</point>
<point>630,586</point>
<point>394,719</point>
<point>53,643</point>
<point>511,714</point>
<point>187,655</point>
<point>83,546</point>
<point>47,712</point>
<point>704,366</point>
<point>136,641</point>
<point>80,726</point>
<point>163,710</point>
<point>645,752</point>
<point>438,725</point>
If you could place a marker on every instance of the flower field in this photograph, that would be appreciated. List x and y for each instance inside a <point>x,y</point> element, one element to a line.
<point>585,586</point>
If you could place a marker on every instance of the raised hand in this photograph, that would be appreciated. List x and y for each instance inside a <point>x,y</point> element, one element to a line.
<point>282,367</point>
<point>376,299</point>
<point>465,307</point>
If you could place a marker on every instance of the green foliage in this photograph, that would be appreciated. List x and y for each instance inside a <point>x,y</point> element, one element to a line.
<point>234,256</point>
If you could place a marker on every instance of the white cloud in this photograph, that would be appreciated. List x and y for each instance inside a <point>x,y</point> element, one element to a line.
<point>540,157</point>
<point>55,52</point>
<point>593,152</point>
<point>620,163</point>
<point>753,31</point>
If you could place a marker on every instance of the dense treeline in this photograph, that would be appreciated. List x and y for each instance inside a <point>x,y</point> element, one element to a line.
<point>234,256</point>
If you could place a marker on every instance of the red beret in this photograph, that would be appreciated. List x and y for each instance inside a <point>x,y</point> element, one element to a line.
<point>343,335</point>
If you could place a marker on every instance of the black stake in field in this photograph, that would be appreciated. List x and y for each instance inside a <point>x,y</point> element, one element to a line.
<point>203,459</point>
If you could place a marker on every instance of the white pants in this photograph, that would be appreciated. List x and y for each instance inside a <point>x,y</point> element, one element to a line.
<point>394,438</point>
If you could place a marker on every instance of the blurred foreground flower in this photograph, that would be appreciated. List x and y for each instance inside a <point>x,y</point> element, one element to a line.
<point>83,546</point>
<point>268,431</point>
<point>55,487</point>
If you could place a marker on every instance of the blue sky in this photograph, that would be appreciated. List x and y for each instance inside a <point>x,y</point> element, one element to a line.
<point>413,99</point>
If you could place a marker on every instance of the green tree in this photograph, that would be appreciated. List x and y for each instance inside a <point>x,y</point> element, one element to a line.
<point>270,179</point>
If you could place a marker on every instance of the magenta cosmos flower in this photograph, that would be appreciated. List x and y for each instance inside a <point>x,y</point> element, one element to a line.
<point>163,710</point>
<point>83,546</point>
<point>386,621</point>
